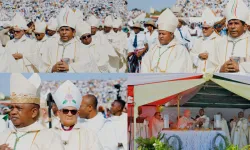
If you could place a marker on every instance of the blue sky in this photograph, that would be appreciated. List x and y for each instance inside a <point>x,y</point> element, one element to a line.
<point>146,4</point>
<point>5,78</point>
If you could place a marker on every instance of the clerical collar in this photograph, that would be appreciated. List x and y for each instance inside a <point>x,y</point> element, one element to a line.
<point>66,43</point>
<point>67,128</point>
<point>33,127</point>
<point>243,36</point>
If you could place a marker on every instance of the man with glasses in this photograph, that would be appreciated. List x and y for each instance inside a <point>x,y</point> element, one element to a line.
<point>73,136</point>
<point>51,29</point>
<point>60,55</point>
<point>233,52</point>
<point>21,47</point>
<point>96,122</point>
<point>203,46</point>
<point>41,38</point>
<point>27,133</point>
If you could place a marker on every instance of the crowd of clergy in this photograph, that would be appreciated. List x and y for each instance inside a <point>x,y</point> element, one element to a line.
<point>76,122</point>
<point>64,44</point>
<point>168,47</point>
<point>236,130</point>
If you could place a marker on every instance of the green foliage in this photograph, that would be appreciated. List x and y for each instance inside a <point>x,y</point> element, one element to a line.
<point>154,143</point>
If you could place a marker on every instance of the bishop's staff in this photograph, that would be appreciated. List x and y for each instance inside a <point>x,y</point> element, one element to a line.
<point>49,103</point>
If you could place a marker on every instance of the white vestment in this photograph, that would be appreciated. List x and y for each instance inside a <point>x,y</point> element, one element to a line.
<point>41,43</point>
<point>224,127</point>
<point>205,45</point>
<point>56,50</point>
<point>237,48</point>
<point>239,133</point>
<point>206,123</point>
<point>78,138</point>
<point>25,46</point>
<point>3,124</point>
<point>155,127</point>
<point>103,128</point>
<point>120,124</point>
<point>184,122</point>
<point>33,137</point>
<point>171,58</point>
<point>8,63</point>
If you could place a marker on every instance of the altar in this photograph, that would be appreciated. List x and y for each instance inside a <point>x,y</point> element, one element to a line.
<point>193,139</point>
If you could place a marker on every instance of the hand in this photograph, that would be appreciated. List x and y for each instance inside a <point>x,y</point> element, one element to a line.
<point>140,53</point>
<point>203,56</point>
<point>230,66</point>
<point>17,56</point>
<point>5,147</point>
<point>61,66</point>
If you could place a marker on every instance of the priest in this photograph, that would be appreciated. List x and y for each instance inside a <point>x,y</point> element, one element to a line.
<point>203,119</point>
<point>119,120</point>
<point>41,38</point>
<point>185,122</point>
<point>22,48</point>
<point>239,131</point>
<point>233,52</point>
<point>51,29</point>
<point>96,122</point>
<point>68,99</point>
<point>59,55</point>
<point>156,125</point>
<point>169,56</point>
<point>8,63</point>
<point>27,133</point>
<point>203,47</point>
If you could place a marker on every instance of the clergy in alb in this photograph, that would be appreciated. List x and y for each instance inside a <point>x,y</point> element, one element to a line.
<point>51,29</point>
<point>169,56</point>
<point>119,120</point>
<point>204,46</point>
<point>61,55</point>
<point>41,38</point>
<point>27,133</point>
<point>185,122</point>
<point>68,99</point>
<point>97,123</point>
<point>22,47</point>
<point>233,51</point>
<point>156,125</point>
<point>239,131</point>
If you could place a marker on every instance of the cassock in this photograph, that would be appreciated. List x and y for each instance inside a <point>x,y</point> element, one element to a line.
<point>155,127</point>
<point>205,45</point>
<point>152,39</point>
<point>171,58</point>
<point>236,48</point>
<point>25,46</point>
<point>33,137</point>
<point>120,124</point>
<point>56,50</point>
<point>239,133</point>
<point>77,138</point>
<point>103,128</point>
<point>8,63</point>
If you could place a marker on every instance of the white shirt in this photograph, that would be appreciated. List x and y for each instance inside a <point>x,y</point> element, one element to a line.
<point>141,41</point>
<point>103,127</point>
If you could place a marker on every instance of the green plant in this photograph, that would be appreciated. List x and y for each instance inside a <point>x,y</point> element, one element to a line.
<point>154,143</point>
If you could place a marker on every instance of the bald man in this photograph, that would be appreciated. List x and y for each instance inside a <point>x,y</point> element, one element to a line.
<point>96,122</point>
<point>185,121</point>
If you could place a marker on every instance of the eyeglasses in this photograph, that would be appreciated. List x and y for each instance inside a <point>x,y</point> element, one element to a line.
<point>85,37</point>
<point>16,31</point>
<point>205,28</point>
<point>66,111</point>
